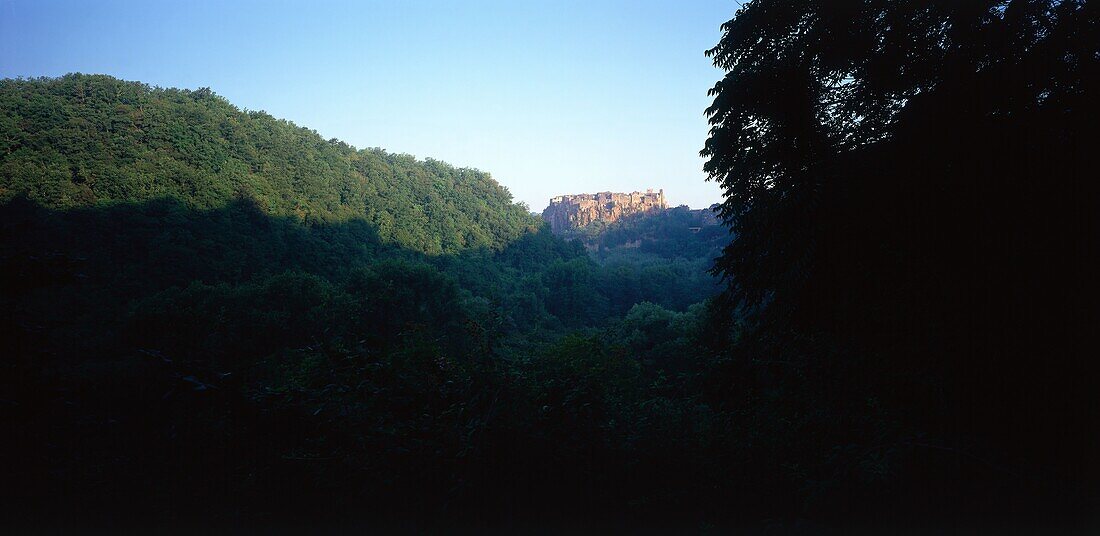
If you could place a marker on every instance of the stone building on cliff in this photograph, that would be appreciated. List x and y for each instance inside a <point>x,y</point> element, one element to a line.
<point>575,211</point>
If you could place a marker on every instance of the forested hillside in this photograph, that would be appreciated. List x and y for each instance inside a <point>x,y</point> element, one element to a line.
<point>93,140</point>
<point>669,250</point>
<point>216,316</point>
<point>216,319</point>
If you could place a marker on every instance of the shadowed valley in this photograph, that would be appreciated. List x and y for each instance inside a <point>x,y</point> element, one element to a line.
<point>213,318</point>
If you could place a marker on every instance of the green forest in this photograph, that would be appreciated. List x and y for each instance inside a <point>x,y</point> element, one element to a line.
<point>213,317</point>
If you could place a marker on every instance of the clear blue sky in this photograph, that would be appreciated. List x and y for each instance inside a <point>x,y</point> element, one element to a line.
<point>549,97</point>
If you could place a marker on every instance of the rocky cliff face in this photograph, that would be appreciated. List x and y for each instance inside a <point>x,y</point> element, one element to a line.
<point>575,211</point>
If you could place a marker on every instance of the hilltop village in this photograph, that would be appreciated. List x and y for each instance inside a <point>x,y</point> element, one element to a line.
<point>575,211</point>
<point>570,212</point>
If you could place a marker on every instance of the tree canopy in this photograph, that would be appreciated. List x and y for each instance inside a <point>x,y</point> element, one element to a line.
<point>910,185</point>
<point>89,140</point>
<point>983,93</point>
<point>215,317</point>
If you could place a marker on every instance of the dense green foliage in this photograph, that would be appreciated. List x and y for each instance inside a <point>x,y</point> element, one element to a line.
<point>83,141</point>
<point>222,360</point>
<point>204,345</point>
<point>662,256</point>
<point>911,192</point>
<point>215,317</point>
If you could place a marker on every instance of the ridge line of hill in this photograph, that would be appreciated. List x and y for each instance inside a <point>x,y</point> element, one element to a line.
<point>86,140</point>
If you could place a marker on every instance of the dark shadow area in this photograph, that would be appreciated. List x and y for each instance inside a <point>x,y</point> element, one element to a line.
<point>912,188</point>
<point>303,334</point>
<point>176,367</point>
<point>181,368</point>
